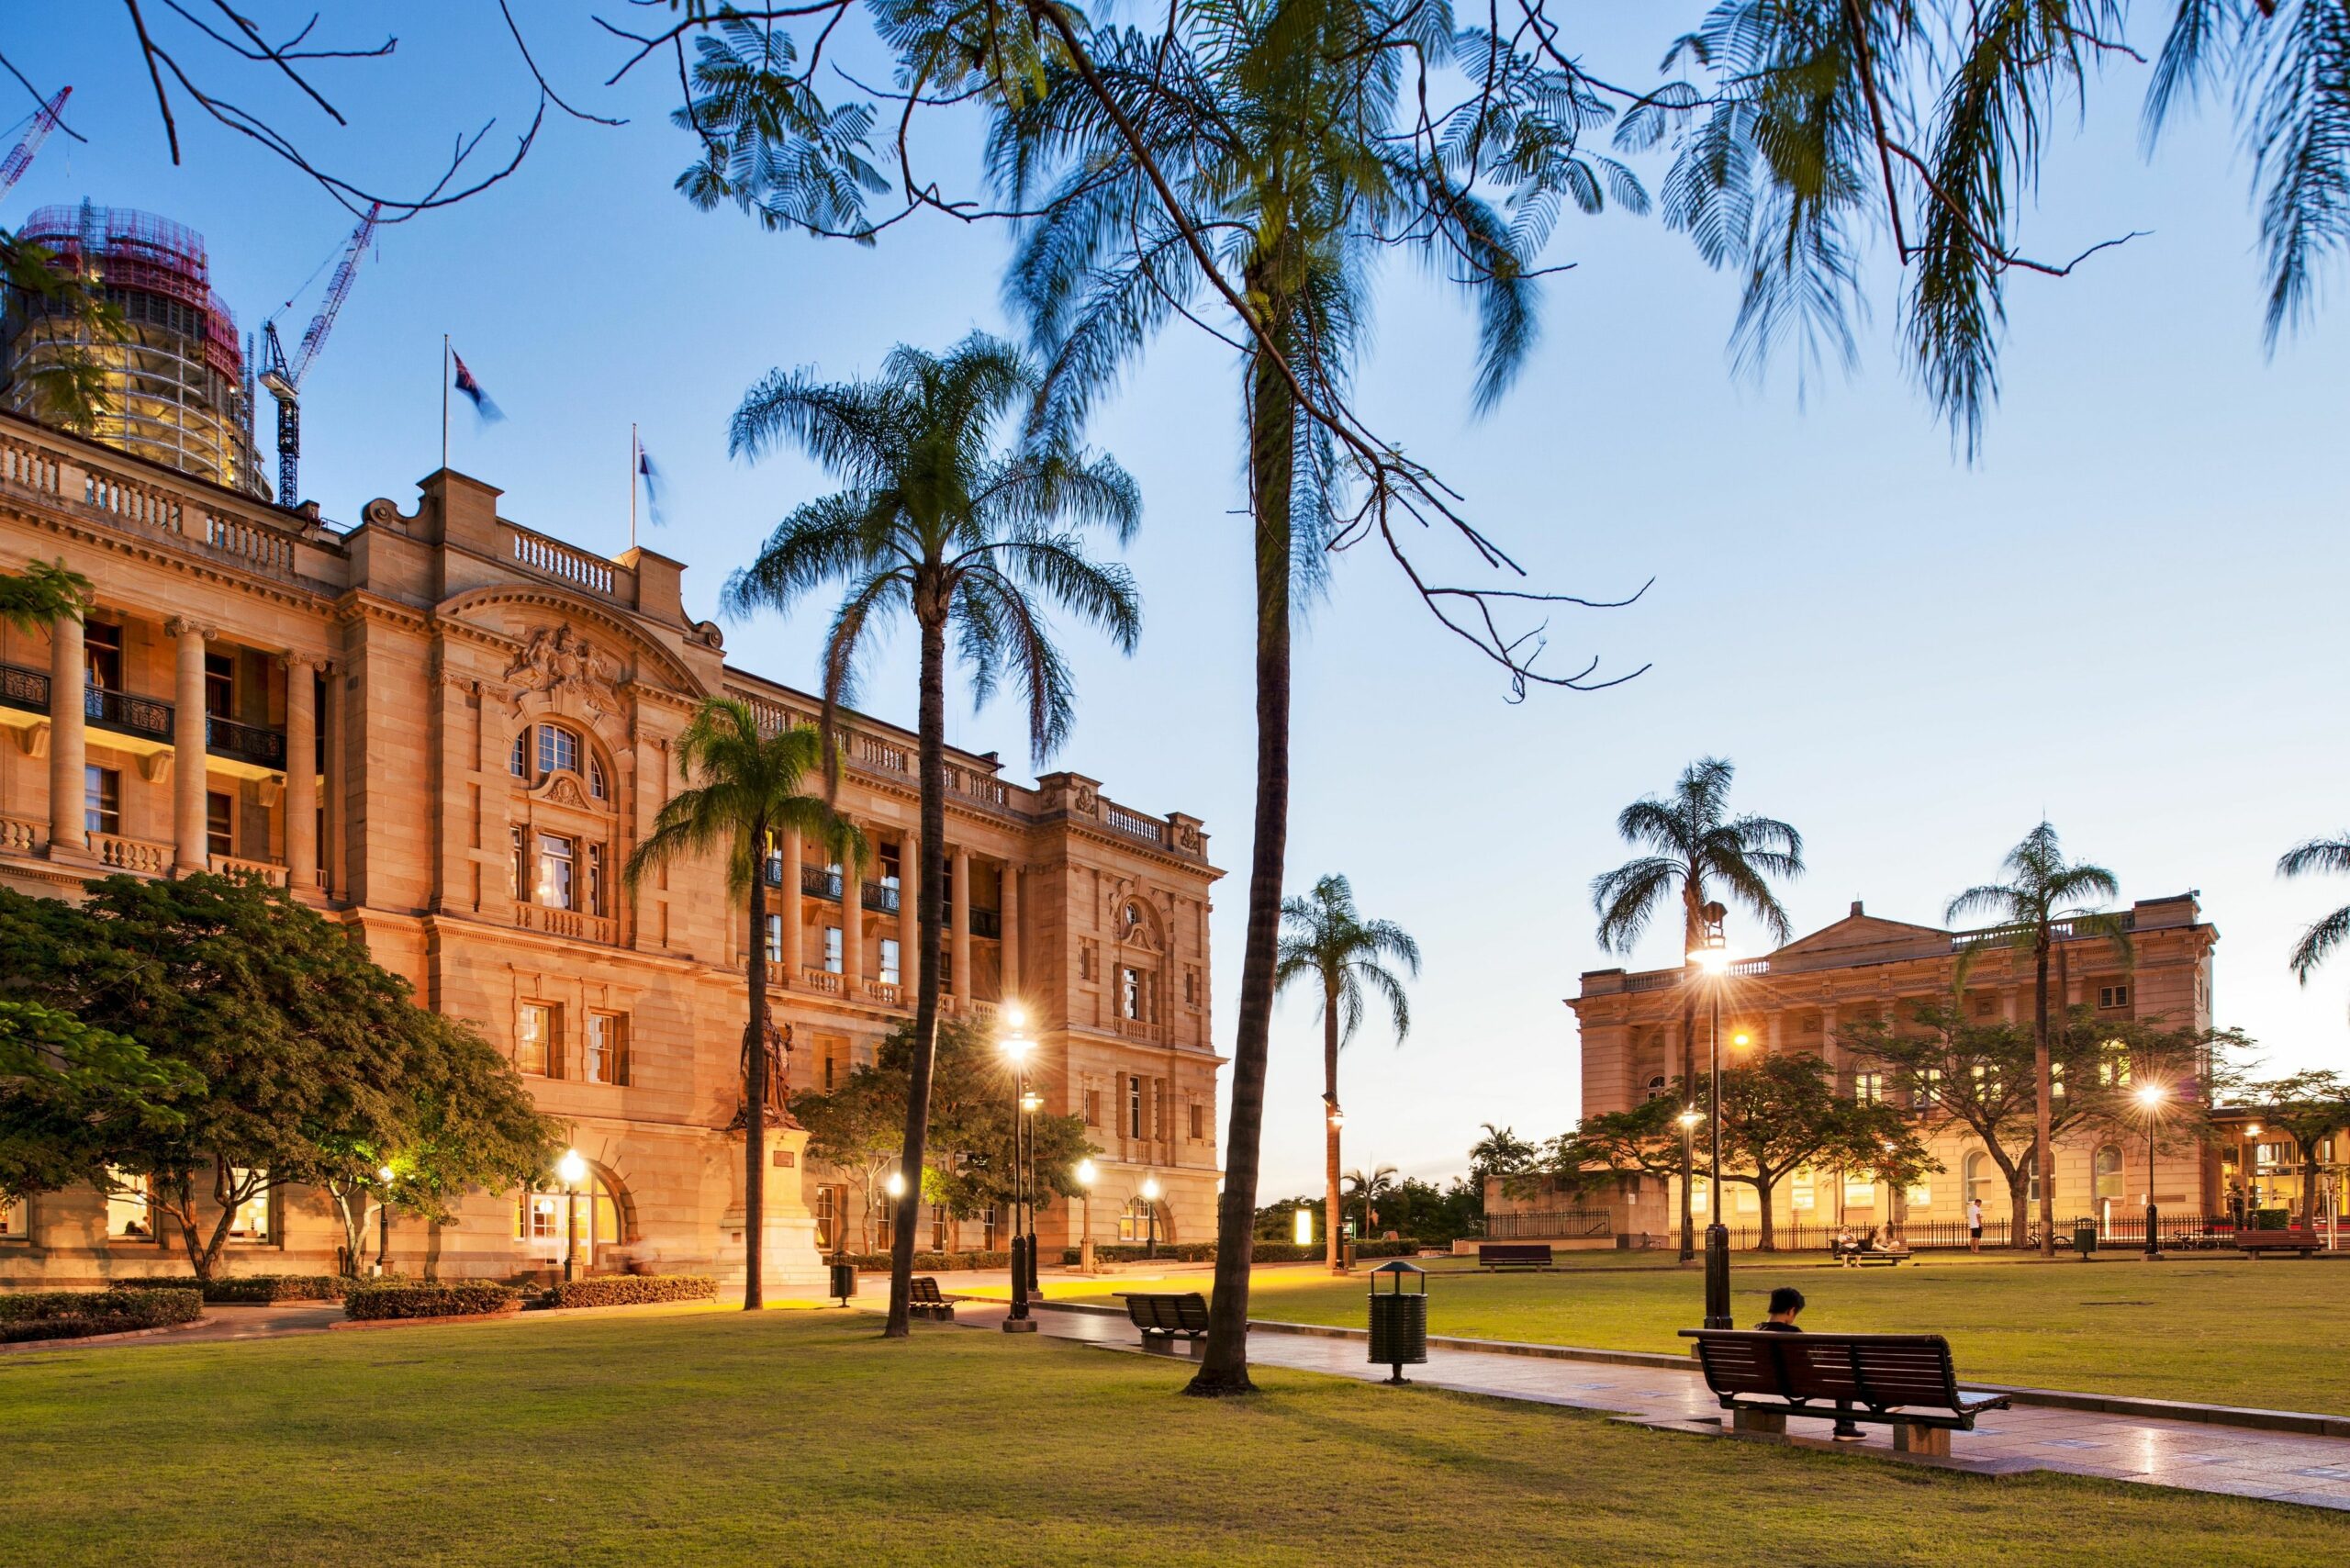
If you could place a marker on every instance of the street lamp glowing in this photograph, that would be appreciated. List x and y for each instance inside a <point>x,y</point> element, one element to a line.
<point>1713,960</point>
<point>1087,1173</point>
<point>2151,1095</point>
<point>1150,1189</point>
<point>571,1168</point>
<point>1032,1101</point>
<point>1015,1016</point>
<point>1742,1040</point>
<point>1338,1117</point>
<point>895,1186</point>
<point>2253,1131</point>
<point>1017,1047</point>
<point>1691,1117</point>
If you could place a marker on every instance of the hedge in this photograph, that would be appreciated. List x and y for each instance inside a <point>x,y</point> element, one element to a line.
<point>249,1289</point>
<point>925,1262</point>
<point>634,1290</point>
<point>72,1314</point>
<point>463,1298</point>
<point>1263,1251</point>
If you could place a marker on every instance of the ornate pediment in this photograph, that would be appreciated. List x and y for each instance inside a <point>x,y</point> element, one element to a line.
<point>557,659</point>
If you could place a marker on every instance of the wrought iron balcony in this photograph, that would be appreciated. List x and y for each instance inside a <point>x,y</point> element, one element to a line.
<point>246,743</point>
<point>126,715</point>
<point>882,897</point>
<point>819,882</point>
<point>25,690</point>
<point>986,922</point>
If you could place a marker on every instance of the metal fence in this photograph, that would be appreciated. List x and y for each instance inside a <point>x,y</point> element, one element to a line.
<point>2187,1232</point>
<point>1552,1225</point>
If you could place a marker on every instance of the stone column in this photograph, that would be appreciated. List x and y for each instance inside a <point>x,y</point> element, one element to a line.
<point>909,916</point>
<point>1830,1051</point>
<point>959,948</point>
<point>852,930</point>
<point>188,777</point>
<point>301,773</point>
<point>786,904</point>
<point>68,737</point>
<point>1008,917</point>
<point>1775,1038</point>
<point>332,720</point>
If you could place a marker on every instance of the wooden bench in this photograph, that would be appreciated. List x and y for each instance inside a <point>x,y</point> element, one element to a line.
<point>1513,1255</point>
<point>923,1300</point>
<point>1167,1317</point>
<point>1902,1381</point>
<point>2255,1242</point>
<point>1857,1256</point>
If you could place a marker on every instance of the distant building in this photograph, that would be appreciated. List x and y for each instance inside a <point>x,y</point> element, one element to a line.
<point>450,732</point>
<point>1867,967</point>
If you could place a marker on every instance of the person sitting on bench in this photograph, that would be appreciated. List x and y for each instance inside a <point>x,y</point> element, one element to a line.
<point>1786,1304</point>
<point>1843,1245</point>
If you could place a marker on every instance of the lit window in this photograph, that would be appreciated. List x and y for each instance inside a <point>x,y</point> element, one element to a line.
<point>832,949</point>
<point>101,799</point>
<point>1744,1199</point>
<point>829,1209</point>
<point>129,1213</point>
<point>1921,1196</point>
<point>2113,1065</point>
<point>1868,1088</point>
<point>13,1225</point>
<point>2107,1167</point>
<point>2056,1079</point>
<point>558,750</point>
<point>775,939</point>
<point>220,685</point>
<point>1130,993</point>
<point>1860,1190</point>
<point>557,889</point>
<point>250,1222</point>
<point>1134,1107</point>
<point>1698,1197</point>
<point>539,1218</point>
<point>1931,1091</point>
<point>219,823</point>
<point>1800,1196</point>
<point>890,971</point>
<point>1135,1222</point>
<point>534,1040</point>
<point>604,1049</point>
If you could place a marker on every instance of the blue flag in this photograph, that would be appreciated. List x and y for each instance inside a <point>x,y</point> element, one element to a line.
<point>471,389</point>
<point>652,478</point>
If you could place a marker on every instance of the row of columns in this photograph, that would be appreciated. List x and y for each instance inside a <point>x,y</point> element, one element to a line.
<point>793,957</point>
<point>191,848</point>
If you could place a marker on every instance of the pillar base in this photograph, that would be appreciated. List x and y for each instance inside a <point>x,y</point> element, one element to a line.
<point>1759,1423</point>
<point>1933,1443</point>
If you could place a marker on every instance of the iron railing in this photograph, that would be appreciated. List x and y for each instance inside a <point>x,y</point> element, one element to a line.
<point>819,882</point>
<point>2185,1231</point>
<point>23,689</point>
<point>881,896</point>
<point>986,922</point>
<point>247,742</point>
<point>1547,1224</point>
<point>126,715</point>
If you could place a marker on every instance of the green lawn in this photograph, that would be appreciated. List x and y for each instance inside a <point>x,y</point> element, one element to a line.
<point>800,1437</point>
<point>2224,1330</point>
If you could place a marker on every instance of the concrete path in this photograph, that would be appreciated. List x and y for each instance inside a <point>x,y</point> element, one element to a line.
<point>2196,1456</point>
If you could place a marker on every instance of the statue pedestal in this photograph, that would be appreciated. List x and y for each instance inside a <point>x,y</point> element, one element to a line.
<point>789,1264</point>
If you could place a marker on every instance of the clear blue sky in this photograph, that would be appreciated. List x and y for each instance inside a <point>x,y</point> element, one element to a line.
<point>2127,615</point>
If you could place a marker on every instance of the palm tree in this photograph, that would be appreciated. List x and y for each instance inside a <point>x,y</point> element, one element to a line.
<point>939,523</point>
<point>2320,941</point>
<point>1328,941</point>
<point>44,593</point>
<point>744,793</point>
<point>1368,1189</point>
<point>2041,889</point>
<point>1280,131</point>
<point>1694,846</point>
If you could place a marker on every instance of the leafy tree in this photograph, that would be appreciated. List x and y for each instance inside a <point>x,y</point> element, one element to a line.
<point>1501,1152</point>
<point>744,791</point>
<point>69,1093</point>
<point>2318,855</point>
<point>2043,889</point>
<point>1431,1215</point>
<point>938,523</point>
<point>1694,847</point>
<point>858,1129</point>
<point>44,593</point>
<point>1325,942</point>
<point>1369,1189</point>
<point>2309,1107</point>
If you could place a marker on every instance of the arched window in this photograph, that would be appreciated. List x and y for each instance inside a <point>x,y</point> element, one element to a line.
<point>539,1216</point>
<point>1978,1177</point>
<point>1134,1221</point>
<point>1656,1086</point>
<point>2107,1163</point>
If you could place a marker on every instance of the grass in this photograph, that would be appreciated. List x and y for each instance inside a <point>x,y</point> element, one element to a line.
<point>2220,1330</point>
<point>697,1437</point>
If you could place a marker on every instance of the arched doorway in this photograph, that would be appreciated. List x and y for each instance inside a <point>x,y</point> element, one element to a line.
<point>600,1209</point>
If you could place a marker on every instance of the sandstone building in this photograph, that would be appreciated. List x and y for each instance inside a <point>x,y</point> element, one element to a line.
<point>451,731</point>
<point>1867,967</point>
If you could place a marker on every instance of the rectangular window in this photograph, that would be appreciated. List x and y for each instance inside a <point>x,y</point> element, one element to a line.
<point>939,1233</point>
<point>885,1218</point>
<point>250,1222</point>
<point>101,799</point>
<point>1868,1088</point>
<point>1800,1196</point>
<point>13,1225</point>
<point>220,685</point>
<point>1745,1200</point>
<point>1190,988</point>
<point>889,973</point>
<point>830,1205</point>
<point>1921,1196</point>
<point>102,655</point>
<point>517,870</point>
<point>1134,1107</point>
<point>1930,1093</point>
<point>1093,1107</point>
<point>1860,1190</point>
<point>518,762</point>
<point>534,1044</point>
<point>1700,1196</point>
<point>775,939</point>
<point>1130,993</point>
<point>832,949</point>
<point>2113,996</point>
<point>1199,1123</point>
<point>558,749</point>
<point>130,1215</point>
<point>604,1049</point>
<point>557,869</point>
<point>219,823</point>
<point>892,863</point>
<point>539,1218</point>
<point>595,904</point>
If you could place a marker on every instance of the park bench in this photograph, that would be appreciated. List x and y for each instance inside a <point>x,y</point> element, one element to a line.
<point>1859,1257</point>
<point>1902,1381</point>
<point>1513,1255</point>
<point>2259,1241</point>
<point>923,1300</point>
<point>1167,1317</point>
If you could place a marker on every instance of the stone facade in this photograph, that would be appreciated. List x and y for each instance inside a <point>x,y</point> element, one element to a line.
<point>1866,967</point>
<point>450,732</point>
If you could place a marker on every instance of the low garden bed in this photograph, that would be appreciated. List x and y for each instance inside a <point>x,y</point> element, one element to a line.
<point>76,1315</point>
<point>249,1290</point>
<point>372,1303</point>
<point>632,1290</point>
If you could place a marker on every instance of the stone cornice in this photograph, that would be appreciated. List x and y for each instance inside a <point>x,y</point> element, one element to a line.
<point>308,595</point>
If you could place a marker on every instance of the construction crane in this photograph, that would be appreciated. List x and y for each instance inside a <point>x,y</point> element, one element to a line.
<point>283,377</point>
<point>21,157</point>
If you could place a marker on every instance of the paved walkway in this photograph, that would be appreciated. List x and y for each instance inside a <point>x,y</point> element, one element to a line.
<point>2194,1455</point>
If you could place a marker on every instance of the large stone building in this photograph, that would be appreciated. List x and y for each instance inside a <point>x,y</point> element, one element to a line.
<point>450,731</point>
<point>1862,967</point>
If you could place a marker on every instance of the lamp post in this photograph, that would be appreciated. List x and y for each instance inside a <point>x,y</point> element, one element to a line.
<point>1712,955</point>
<point>573,1169</point>
<point>2151,1099</point>
<point>1689,1118</point>
<point>1150,1206</point>
<point>384,1222</point>
<point>1015,1048</point>
<point>1032,1102</point>
<point>1334,1244</point>
<point>1086,1174</point>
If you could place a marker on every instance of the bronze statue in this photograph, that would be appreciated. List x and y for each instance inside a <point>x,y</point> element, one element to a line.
<point>778,1084</point>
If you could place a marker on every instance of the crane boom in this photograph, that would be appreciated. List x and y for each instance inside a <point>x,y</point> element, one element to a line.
<point>338,290</point>
<point>283,377</point>
<point>21,157</point>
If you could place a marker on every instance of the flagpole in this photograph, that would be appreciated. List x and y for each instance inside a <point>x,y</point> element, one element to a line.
<point>632,450</point>
<point>444,399</point>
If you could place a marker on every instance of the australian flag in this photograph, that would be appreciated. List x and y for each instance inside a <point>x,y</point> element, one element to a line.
<point>471,390</point>
<point>651,479</point>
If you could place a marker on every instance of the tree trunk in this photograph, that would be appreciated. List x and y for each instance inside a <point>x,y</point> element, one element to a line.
<point>1764,1240</point>
<point>2019,1196</point>
<point>2308,1182</point>
<point>2043,1151</point>
<point>1330,1212</point>
<point>1688,1098</point>
<point>755,1092</point>
<point>1224,1367</point>
<point>929,608</point>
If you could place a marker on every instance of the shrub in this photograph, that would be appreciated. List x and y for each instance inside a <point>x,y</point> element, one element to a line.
<point>72,1314</point>
<point>250,1289</point>
<point>925,1262</point>
<point>463,1298</point>
<point>1262,1253</point>
<point>634,1290</point>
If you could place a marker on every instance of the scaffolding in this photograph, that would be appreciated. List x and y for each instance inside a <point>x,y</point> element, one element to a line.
<point>175,386</point>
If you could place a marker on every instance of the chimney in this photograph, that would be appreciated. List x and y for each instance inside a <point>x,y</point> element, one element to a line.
<point>1856,909</point>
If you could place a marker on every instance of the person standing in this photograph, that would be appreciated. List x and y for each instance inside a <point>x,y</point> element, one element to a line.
<point>1974,1225</point>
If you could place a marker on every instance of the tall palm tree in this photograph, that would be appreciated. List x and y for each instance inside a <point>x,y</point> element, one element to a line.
<point>744,791</point>
<point>2318,855</point>
<point>1281,130</point>
<point>940,523</point>
<point>1328,941</point>
<point>1367,1188</point>
<point>2041,889</point>
<point>1694,846</point>
<point>44,593</point>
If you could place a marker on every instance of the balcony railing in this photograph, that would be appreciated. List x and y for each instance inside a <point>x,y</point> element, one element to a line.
<point>986,922</point>
<point>269,871</point>
<point>21,836</point>
<point>887,992</point>
<point>820,979</point>
<point>126,715</point>
<point>22,689</point>
<point>819,882</point>
<point>1134,824</point>
<point>881,896</point>
<point>131,854</point>
<point>246,743</point>
<point>568,923</point>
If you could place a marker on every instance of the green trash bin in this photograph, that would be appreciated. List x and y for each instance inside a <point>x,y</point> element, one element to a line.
<point>2085,1238</point>
<point>843,1281</point>
<point>1399,1318</point>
